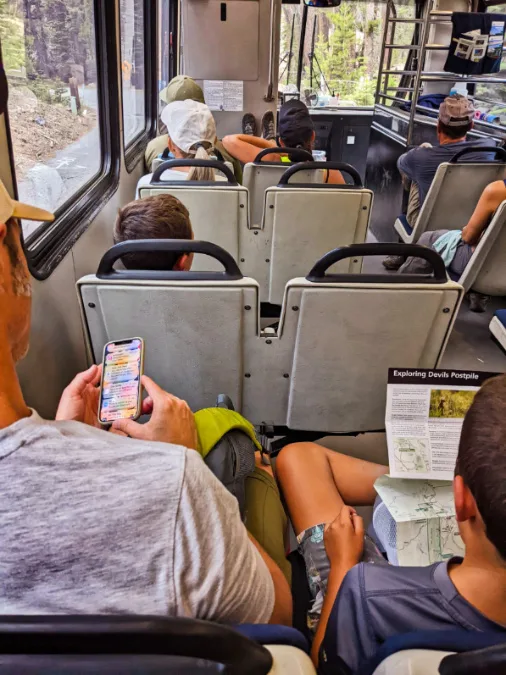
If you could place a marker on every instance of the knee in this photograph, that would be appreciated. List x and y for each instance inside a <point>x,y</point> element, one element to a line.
<point>294,458</point>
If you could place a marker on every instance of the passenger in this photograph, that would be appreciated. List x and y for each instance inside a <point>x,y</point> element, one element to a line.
<point>491,198</point>
<point>165,217</point>
<point>419,165</point>
<point>95,523</point>
<point>159,217</point>
<point>361,605</point>
<point>192,133</point>
<point>296,130</point>
<point>181,88</point>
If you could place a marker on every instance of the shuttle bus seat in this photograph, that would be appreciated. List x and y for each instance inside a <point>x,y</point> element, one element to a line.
<point>154,645</point>
<point>446,652</point>
<point>348,329</point>
<point>486,271</point>
<point>260,175</point>
<point>158,161</point>
<point>302,221</point>
<point>218,209</point>
<point>192,322</point>
<point>498,327</point>
<point>453,194</point>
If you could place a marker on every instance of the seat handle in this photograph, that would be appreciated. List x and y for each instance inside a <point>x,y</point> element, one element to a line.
<point>298,154</point>
<point>123,635</point>
<point>500,153</point>
<point>106,266</point>
<point>304,166</point>
<point>318,272</point>
<point>205,163</point>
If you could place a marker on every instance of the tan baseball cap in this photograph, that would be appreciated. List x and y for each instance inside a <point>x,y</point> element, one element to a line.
<point>10,208</point>
<point>456,111</point>
<point>181,88</point>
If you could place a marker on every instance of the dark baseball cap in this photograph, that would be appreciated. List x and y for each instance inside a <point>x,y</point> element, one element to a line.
<point>295,125</point>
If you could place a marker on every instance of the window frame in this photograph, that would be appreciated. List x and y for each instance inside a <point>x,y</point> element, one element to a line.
<point>47,245</point>
<point>135,148</point>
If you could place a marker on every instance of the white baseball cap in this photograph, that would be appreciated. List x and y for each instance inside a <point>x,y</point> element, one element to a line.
<point>188,123</point>
<point>11,208</point>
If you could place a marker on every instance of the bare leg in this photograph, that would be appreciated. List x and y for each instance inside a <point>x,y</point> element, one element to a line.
<point>316,482</point>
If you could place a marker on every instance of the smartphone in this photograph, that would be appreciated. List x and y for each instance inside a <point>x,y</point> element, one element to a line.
<point>120,390</point>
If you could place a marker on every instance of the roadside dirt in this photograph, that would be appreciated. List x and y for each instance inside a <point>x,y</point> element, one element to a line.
<point>39,129</point>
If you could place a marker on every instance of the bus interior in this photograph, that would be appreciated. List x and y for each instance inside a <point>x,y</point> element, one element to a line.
<point>288,309</point>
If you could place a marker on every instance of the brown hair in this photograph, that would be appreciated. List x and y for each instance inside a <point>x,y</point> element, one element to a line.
<point>455,132</point>
<point>481,459</point>
<point>159,217</point>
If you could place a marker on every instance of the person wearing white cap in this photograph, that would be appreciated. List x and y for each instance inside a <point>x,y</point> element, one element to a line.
<point>93,522</point>
<point>192,135</point>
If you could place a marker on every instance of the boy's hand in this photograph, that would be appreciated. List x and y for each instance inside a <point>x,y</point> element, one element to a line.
<point>344,539</point>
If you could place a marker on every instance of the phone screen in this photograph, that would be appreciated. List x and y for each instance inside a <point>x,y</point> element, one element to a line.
<point>121,380</point>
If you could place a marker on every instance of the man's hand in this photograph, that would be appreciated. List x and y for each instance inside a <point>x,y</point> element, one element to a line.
<point>344,539</point>
<point>171,421</point>
<point>79,401</point>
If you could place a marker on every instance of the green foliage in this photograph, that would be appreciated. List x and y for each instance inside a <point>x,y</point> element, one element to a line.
<point>450,403</point>
<point>11,36</point>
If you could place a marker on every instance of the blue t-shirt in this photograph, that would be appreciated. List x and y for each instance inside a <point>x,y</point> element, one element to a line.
<point>420,164</point>
<point>378,601</point>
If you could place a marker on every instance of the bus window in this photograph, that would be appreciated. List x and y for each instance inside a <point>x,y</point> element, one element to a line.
<point>132,66</point>
<point>50,59</point>
<point>342,48</point>
<point>164,55</point>
<point>291,17</point>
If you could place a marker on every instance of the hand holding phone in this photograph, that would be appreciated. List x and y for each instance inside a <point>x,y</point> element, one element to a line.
<point>121,389</point>
<point>171,421</point>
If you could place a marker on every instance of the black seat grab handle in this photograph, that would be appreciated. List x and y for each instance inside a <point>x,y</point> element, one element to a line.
<point>304,166</point>
<point>205,163</point>
<point>298,154</point>
<point>500,153</point>
<point>106,269</point>
<point>142,635</point>
<point>317,274</point>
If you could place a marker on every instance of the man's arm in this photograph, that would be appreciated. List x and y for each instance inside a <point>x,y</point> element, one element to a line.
<point>406,165</point>
<point>282,612</point>
<point>344,543</point>
<point>245,148</point>
<point>490,199</point>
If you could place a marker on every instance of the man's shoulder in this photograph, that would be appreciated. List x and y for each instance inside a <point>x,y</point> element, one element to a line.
<point>377,580</point>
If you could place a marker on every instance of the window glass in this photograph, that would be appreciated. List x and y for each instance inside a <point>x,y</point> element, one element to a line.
<point>489,98</point>
<point>49,53</point>
<point>289,49</point>
<point>165,51</point>
<point>132,66</point>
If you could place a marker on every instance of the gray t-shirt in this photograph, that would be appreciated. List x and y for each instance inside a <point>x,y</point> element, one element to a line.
<point>378,601</point>
<point>420,164</point>
<point>92,522</point>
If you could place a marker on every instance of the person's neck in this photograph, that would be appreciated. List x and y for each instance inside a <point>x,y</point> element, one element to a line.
<point>12,403</point>
<point>481,580</point>
<point>445,140</point>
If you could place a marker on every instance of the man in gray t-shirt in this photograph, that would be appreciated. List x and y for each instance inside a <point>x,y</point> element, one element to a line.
<point>95,522</point>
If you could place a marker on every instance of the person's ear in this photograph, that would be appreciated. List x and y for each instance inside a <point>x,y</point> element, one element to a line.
<point>313,137</point>
<point>181,263</point>
<point>281,144</point>
<point>170,144</point>
<point>465,504</point>
<point>3,232</point>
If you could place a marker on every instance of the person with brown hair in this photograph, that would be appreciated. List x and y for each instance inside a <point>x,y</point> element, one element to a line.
<point>93,522</point>
<point>159,217</point>
<point>365,603</point>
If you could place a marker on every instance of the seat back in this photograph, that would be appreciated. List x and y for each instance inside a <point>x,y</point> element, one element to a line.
<point>455,191</point>
<point>260,175</point>
<point>486,271</point>
<point>218,209</point>
<point>349,329</point>
<point>303,221</point>
<point>192,322</point>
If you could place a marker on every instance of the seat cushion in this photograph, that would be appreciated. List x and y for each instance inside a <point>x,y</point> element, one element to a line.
<point>271,634</point>
<point>404,221</point>
<point>501,316</point>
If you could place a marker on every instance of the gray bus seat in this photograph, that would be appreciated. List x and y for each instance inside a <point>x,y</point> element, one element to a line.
<point>218,209</point>
<point>412,662</point>
<point>153,645</point>
<point>260,175</point>
<point>302,221</point>
<point>453,194</point>
<point>486,271</point>
<point>348,329</point>
<point>192,322</point>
